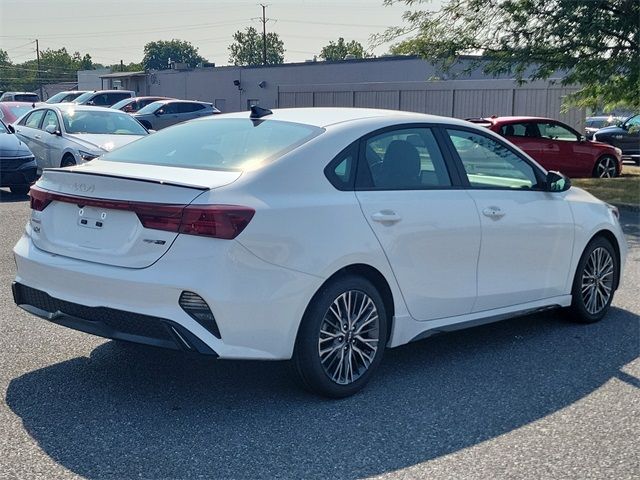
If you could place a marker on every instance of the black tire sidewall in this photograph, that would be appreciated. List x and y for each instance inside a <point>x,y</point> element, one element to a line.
<point>578,309</point>
<point>306,358</point>
<point>599,161</point>
<point>68,161</point>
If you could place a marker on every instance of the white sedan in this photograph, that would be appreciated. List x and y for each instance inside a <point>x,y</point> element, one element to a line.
<point>318,235</point>
<point>66,134</point>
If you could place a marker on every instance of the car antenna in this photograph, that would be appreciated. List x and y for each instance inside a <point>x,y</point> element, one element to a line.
<point>259,112</point>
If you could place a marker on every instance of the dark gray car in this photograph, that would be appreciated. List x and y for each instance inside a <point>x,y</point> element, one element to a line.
<point>17,163</point>
<point>164,113</point>
<point>626,137</point>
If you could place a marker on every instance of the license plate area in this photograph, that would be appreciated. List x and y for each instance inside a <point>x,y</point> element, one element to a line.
<point>90,217</point>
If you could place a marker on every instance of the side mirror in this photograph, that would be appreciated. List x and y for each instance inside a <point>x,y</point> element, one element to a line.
<point>52,129</point>
<point>557,182</point>
<point>581,138</point>
<point>158,112</point>
<point>91,102</point>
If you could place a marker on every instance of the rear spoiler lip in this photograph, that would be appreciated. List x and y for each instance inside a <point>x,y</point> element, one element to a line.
<point>135,179</point>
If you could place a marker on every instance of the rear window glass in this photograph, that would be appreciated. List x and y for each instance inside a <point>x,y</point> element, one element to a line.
<point>221,144</point>
<point>26,98</point>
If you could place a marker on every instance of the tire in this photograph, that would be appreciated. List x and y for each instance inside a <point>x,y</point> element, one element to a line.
<point>591,297</point>
<point>68,161</point>
<point>19,189</point>
<point>324,374</point>
<point>606,167</point>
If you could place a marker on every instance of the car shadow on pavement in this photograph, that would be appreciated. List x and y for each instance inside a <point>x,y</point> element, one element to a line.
<point>130,411</point>
<point>8,197</point>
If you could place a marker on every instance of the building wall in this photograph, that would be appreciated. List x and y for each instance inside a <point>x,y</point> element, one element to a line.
<point>90,79</point>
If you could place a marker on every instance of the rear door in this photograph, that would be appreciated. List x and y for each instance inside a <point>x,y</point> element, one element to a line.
<point>527,233</point>
<point>28,130</point>
<point>428,228</point>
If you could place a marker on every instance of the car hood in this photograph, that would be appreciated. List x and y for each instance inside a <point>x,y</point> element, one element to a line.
<point>12,146</point>
<point>612,130</point>
<point>101,143</point>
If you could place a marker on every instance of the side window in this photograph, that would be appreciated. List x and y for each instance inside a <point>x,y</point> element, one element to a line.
<point>519,130</point>
<point>407,159</point>
<point>188,107</point>
<point>170,108</point>
<point>33,120</point>
<point>111,98</point>
<point>50,118</point>
<point>99,100</point>
<point>555,131</point>
<point>341,170</point>
<point>489,164</point>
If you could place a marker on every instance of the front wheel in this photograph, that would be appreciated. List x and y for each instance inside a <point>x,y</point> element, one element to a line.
<point>606,167</point>
<point>342,337</point>
<point>68,161</point>
<point>594,283</point>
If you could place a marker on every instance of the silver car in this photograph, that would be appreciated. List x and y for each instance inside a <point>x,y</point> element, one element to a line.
<point>66,134</point>
<point>164,113</point>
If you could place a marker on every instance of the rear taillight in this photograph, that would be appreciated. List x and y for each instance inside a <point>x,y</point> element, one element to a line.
<point>218,221</point>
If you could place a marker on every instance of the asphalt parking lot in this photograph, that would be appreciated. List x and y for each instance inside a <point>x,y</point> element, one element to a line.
<point>536,397</point>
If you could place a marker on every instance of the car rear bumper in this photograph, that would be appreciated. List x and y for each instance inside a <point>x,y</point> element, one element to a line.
<point>257,306</point>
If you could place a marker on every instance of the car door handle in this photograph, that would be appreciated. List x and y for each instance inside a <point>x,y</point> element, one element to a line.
<point>386,217</point>
<point>493,212</point>
<point>37,136</point>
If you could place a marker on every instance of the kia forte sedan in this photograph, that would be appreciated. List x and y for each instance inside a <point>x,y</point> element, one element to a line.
<point>323,236</point>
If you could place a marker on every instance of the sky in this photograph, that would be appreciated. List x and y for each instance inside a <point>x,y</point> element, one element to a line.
<point>116,30</point>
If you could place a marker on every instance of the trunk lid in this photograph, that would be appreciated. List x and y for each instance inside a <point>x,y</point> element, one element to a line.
<point>92,210</point>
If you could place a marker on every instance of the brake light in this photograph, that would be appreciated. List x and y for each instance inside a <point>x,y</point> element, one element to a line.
<point>217,221</point>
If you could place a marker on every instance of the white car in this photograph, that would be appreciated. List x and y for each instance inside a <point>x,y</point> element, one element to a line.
<point>65,134</point>
<point>317,235</point>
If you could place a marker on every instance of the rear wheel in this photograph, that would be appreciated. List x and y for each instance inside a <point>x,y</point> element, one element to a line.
<point>594,282</point>
<point>606,167</point>
<point>68,161</point>
<point>342,337</point>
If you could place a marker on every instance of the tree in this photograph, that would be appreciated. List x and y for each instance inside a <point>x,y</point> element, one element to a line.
<point>247,48</point>
<point>595,43</point>
<point>340,49</point>
<point>157,54</point>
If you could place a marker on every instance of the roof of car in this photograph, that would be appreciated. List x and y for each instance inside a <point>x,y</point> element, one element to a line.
<point>514,119</point>
<point>176,100</point>
<point>76,107</point>
<point>325,116</point>
<point>19,93</point>
<point>15,104</point>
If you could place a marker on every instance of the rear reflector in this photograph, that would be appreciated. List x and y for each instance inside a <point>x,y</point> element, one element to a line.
<point>218,221</point>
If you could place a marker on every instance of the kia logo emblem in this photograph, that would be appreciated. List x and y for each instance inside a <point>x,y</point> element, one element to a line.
<point>84,187</point>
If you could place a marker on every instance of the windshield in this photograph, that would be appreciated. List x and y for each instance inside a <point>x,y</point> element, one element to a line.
<point>63,97</point>
<point>633,121</point>
<point>122,103</point>
<point>107,122</point>
<point>19,110</point>
<point>220,144</point>
<point>152,107</point>
<point>84,97</point>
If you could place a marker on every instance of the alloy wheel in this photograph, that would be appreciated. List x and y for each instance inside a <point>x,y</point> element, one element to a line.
<point>349,337</point>
<point>606,168</point>
<point>597,280</point>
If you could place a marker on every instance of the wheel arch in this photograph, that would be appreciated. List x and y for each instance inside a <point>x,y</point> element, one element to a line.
<point>375,277</point>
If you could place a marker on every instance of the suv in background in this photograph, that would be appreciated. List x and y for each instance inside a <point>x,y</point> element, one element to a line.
<point>20,97</point>
<point>625,136</point>
<point>593,124</point>
<point>164,113</point>
<point>557,146</point>
<point>103,98</point>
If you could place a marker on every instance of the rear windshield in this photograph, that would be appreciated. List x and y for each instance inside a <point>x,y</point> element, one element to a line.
<point>220,144</point>
<point>26,98</point>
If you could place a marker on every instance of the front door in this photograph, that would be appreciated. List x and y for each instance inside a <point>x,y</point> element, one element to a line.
<point>527,233</point>
<point>428,229</point>
<point>563,151</point>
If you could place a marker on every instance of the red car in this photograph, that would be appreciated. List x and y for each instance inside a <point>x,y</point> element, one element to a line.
<point>11,111</point>
<point>557,146</point>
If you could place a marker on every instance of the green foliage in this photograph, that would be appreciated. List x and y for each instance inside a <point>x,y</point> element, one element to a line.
<point>127,67</point>
<point>340,49</point>
<point>595,43</point>
<point>55,66</point>
<point>247,48</point>
<point>157,54</point>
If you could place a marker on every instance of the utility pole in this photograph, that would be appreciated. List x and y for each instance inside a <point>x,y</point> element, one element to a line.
<point>38,72</point>
<point>264,35</point>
